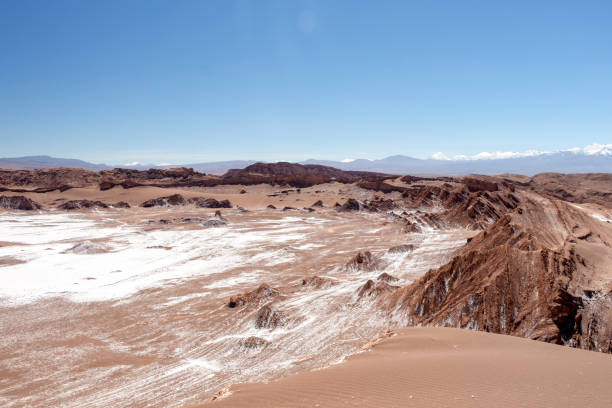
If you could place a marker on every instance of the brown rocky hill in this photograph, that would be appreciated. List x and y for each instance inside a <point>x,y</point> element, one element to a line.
<point>46,179</point>
<point>297,175</point>
<point>543,271</point>
<point>290,174</point>
<point>296,169</point>
<point>66,178</point>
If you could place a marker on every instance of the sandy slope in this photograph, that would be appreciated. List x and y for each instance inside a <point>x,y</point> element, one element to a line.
<point>443,367</point>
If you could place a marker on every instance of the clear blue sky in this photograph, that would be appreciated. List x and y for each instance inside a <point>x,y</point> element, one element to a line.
<point>185,81</point>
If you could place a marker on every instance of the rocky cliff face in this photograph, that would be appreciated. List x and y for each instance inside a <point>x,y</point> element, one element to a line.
<point>531,274</point>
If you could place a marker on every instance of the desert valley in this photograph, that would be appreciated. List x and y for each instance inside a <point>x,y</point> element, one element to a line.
<point>170,288</point>
<point>305,204</point>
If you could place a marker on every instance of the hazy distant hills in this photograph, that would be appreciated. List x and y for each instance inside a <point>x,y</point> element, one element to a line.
<point>43,162</point>
<point>561,162</point>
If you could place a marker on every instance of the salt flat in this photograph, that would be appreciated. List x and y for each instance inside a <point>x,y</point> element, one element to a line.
<point>115,308</point>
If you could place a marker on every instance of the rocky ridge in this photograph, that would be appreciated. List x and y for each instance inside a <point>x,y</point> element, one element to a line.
<point>529,274</point>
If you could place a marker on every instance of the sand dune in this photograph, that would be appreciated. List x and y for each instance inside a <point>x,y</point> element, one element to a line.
<point>443,367</point>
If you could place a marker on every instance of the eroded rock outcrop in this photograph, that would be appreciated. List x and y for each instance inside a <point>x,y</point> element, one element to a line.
<point>179,200</point>
<point>385,277</point>
<point>87,248</point>
<point>18,203</point>
<point>371,288</point>
<point>474,205</point>
<point>269,318</point>
<point>479,184</point>
<point>401,249</point>
<point>253,343</point>
<point>172,200</point>
<point>350,205</point>
<point>80,204</point>
<point>262,293</point>
<point>318,282</point>
<point>381,186</point>
<point>365,261</point>
<point>46,180</point>
<point>525,275</point>
<point>576,188</point>
<point>121,204</point>
<point>201,202</point>
<point>380,204</point>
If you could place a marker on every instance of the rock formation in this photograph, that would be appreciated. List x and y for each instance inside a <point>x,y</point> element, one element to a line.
<point>365,261</point>
<point>201,202</point>
<point>479,184</point>
<point>460,206</point>
<point>80,204</point>
<point>87,248</point>
<point>318,282</point>
<point>121,204</point>
<point>380,204</point>
<point>528,275</point>
<point>350,205</point>
<point>253,342</point>
<point>385,277</point>
<point>175,199</point>
<point>18,203</point>
<point>263,292</point>
<point>400,249</point>
<point>371,288</point>
<point>576,188</point>
<point>269,318</point>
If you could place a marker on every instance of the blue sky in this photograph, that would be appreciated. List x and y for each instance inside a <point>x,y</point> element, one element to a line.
<point>186,81</point>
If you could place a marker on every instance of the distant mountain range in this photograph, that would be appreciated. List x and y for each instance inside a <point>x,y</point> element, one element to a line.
<point>561,162</point>
<point>43,162</point>
<point>586,160</point>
